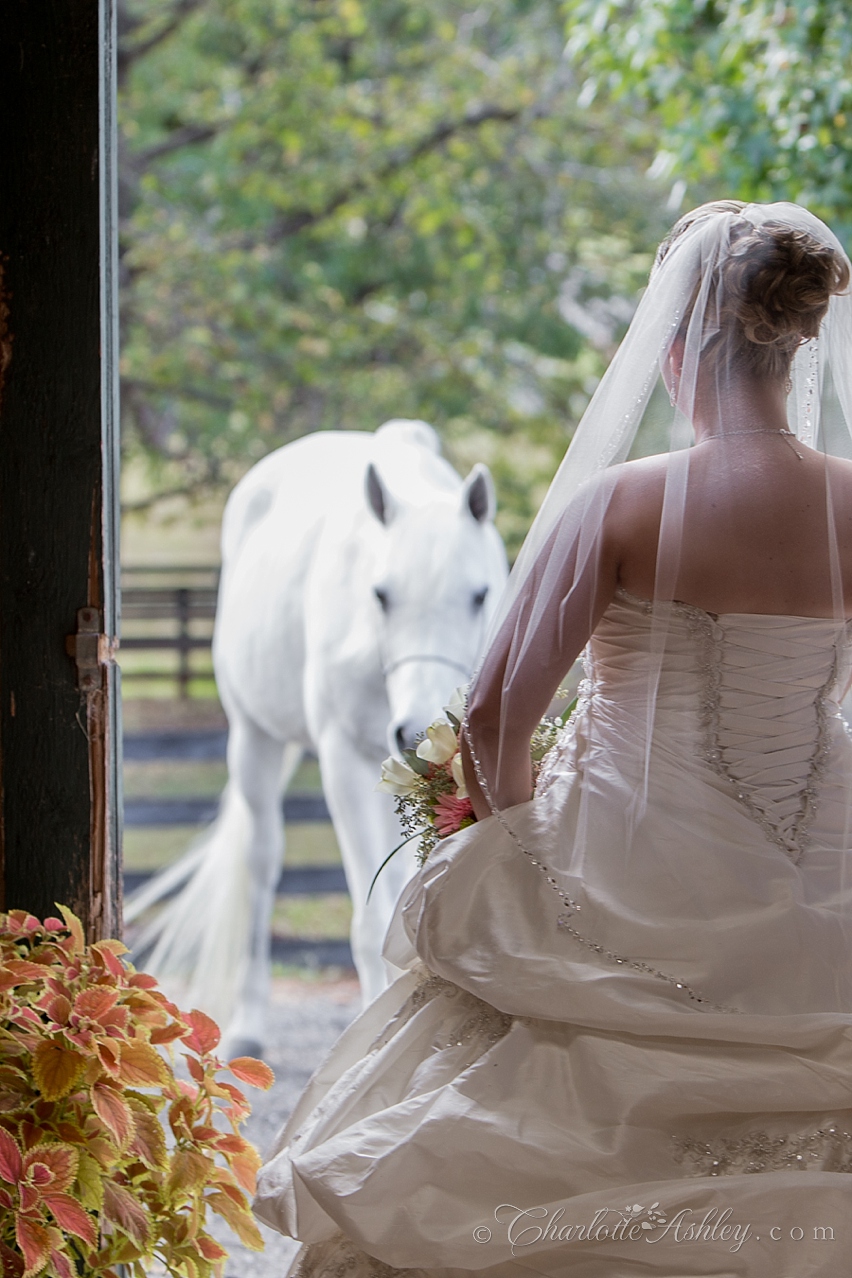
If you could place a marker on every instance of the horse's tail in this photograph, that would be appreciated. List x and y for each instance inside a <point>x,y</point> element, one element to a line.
<point>197,945</point>
<point>164,884</point>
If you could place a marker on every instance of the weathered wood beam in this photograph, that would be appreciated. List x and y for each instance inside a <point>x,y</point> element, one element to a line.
<point>58,777</point>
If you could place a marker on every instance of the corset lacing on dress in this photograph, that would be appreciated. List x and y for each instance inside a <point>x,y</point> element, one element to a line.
<point>765,705</point>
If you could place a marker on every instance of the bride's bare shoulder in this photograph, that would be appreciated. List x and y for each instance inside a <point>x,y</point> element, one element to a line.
<point>629,491</point>
<point>641,469</point>
<point>839,468</point>
<point>629,476</point>
<point>645,477</point>
<point>635,502</point>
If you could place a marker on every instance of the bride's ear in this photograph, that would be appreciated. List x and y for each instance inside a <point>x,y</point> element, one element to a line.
<point>673,366</point>
<point>676,353</point>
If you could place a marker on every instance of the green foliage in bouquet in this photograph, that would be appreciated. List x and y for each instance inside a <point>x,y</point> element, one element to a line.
<point>545,738</point>
<point>91,1177</point>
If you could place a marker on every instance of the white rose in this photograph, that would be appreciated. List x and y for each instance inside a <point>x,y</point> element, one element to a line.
<point>397,777</point>
<point>457,704</point>
<point>440,744</point>
<point>458,777</point>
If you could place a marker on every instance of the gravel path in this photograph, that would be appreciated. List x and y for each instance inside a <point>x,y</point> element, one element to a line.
<point>307,1017</point>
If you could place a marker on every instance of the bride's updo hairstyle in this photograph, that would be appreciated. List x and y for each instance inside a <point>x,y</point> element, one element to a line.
<point>772,290</point>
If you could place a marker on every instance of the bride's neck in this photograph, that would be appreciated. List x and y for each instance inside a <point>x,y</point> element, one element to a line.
<point>748,404</point>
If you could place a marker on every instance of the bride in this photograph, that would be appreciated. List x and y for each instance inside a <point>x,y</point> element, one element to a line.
<point>620,1039</point>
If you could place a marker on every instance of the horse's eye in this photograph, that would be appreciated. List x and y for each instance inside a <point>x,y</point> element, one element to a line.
<point>479,597</point>
<point>382,597</point>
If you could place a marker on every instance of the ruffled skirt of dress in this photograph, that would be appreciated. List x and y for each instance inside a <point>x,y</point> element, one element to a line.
<point>660,1086</point>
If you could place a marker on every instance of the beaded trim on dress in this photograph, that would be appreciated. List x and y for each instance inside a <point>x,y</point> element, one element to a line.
<point>564,920</point>
<point>337,1257</point>
<point>826,1148</point>
<point>478,1018</point>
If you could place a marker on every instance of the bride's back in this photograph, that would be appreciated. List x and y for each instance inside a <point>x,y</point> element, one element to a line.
<point>755,534</point>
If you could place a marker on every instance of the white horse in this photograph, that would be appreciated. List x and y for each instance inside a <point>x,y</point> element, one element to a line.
<point>359,574</point>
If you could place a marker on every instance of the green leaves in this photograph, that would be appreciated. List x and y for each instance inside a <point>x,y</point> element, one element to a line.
<point>341,213</point>
<point>752,95</point>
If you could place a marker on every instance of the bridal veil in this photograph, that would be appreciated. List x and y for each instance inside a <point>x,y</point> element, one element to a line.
<point>694,330</point>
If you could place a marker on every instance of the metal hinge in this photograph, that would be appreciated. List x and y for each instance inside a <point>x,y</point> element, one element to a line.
<point>90,649</point>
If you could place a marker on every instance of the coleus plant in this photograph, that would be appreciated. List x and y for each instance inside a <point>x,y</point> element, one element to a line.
<point>107,1157</point>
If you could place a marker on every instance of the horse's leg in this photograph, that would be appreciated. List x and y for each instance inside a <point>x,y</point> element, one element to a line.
<point>366,830</point>
<point>255,768</point>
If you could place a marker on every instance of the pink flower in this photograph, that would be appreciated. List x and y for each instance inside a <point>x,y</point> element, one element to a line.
<point>452,814</point>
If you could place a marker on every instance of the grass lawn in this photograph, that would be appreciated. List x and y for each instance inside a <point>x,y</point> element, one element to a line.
<point>152,847</point>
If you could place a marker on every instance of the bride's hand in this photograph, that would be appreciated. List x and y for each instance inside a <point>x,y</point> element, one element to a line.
<point>478,801</point>
<point>518,788</point>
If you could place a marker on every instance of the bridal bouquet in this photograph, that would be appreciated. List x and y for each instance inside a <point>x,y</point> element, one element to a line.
<point>428,782</point>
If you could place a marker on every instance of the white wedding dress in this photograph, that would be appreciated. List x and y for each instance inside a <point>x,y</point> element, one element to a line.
<point>657,1072</point>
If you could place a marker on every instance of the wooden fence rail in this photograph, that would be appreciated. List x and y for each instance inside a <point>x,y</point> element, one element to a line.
<point>169,609</point>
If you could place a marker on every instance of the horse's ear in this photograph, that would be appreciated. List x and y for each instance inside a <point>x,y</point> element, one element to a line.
<point>478,496</point>
<point>378,497</point>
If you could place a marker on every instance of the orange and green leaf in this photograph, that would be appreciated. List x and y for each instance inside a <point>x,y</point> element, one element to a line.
<point>104,1151</point>
<point>109,1055</point>
<point>245,1167</point>
<point>230,1143</point>
<point>141,1065</point>
<point>239,1218</point>
<point>251,1071</point>
<point>209,1248</point>
<point>204,1035</point>
<point>123,1209</point>
<point>57,1069</point>
<point>149,1140</point>
<point>34,1241</point>
<point>113,1111</point>
<point>71,1217</point>
<point>109,951</point>
<point>95,1001</point>
<point>23,970</point>
<point>11,1158</point>
<point>189,1170</point>
<point>167,1033</point>
<point>75,927</point>
<point>58,1160</point>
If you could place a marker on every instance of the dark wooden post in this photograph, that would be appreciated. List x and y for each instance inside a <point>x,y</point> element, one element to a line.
<point>184,641</point>
<point>59,728</point>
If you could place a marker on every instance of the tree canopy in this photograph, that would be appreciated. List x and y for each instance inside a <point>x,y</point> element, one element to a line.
<point>335,212</point>
<point>339,211</point>
<point>754,96</point>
